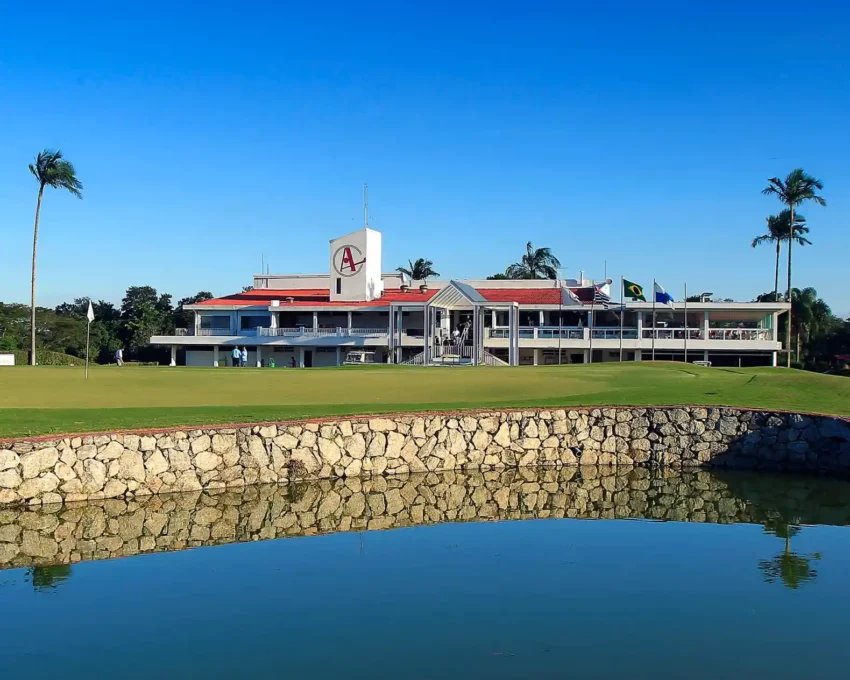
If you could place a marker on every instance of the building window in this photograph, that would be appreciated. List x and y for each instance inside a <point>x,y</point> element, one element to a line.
<point>218,322</point>
<point>247,323</point>
<point>338,286</point>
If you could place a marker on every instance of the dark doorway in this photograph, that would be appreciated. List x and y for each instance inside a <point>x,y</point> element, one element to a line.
<point>308,358</point>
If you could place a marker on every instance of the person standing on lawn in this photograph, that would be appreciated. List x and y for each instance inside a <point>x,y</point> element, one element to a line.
<point>237,356</point>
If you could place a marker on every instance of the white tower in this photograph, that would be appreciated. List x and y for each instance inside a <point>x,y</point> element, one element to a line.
<point>356,266</point>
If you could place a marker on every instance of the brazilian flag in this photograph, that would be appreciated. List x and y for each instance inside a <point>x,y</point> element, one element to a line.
<point>633,290</point>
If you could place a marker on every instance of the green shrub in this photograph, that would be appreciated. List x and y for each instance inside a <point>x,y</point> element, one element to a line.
<point>46,358</point>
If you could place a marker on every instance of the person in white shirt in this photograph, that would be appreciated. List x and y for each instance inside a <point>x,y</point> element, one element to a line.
<point>119,356</point>
<point>244,356</point>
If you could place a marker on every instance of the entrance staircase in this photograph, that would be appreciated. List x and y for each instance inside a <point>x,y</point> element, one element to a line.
<point>455,359</point>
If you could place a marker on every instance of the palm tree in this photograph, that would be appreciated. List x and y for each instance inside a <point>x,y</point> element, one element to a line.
<point>51,170</point>
<point>802,309</point>
<point>419,270</point>
<point>777,232</point>
<point>812,316</point>
<point>537,263</point>
<point>797,188</point>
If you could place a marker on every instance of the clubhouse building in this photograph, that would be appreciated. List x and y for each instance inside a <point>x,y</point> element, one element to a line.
<point>357,314</point>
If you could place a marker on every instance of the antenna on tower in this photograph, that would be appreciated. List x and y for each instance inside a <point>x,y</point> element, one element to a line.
<point>365,206</point>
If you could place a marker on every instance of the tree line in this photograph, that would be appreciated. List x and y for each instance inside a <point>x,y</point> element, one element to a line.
<point>143,312</point>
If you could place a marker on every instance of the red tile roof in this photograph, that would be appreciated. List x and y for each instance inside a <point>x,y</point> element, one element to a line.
<point>524,296</point>
<point>319,297</point>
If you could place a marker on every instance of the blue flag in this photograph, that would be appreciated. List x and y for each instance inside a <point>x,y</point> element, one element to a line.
<point>662,297</point>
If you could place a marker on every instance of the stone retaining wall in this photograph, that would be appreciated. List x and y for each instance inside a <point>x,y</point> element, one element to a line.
<point>64,534</point>
<point>126,465</point>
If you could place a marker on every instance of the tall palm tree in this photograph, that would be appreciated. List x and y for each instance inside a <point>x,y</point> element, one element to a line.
<point>419,270</point>
<point>537,263</point>
<point>51,170</point>
<point>777,232</point>
<point>796,188</point>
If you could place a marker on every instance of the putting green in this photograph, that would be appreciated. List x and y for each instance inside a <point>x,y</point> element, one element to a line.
<point>46,400</point>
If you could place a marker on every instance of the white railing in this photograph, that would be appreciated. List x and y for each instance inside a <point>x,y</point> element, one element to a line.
<point>415,360</point>
<point>183,332</point>
<point>366,332</point>
<point>492,360</point>
<point>204,332</point>
<point>672,333</point>
<point>614,333</point>
<point>565,332</point>
<point>740,334</point>
<point>748,334</point>
<point>279,332</point>
<point>538,333</point>
<point>322,332</point>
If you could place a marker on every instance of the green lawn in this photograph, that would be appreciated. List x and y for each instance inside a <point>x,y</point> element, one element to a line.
<point>47,400</point>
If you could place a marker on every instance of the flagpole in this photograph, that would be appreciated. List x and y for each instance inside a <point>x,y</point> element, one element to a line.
<point>622,314</point>
<point>653,319</point>
<point>686,322</point>
<point>88,335</point>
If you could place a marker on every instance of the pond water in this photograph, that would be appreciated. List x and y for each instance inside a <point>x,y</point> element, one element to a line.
<point>497,575</point>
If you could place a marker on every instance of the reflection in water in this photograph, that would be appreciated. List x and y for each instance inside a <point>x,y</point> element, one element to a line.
<point>790,568</point>
<point>57,535</point>
<point>49,577</point>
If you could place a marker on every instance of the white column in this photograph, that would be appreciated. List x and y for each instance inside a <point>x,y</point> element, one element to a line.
<point>475,321</point>
<point>390,336</point>
<point>536,357</point>
<point>339,356</point>
<point>300,357</point>
<point>174,355</point>
<point>426,314</point>
<point>215,356</point>
<point>493,318</point>
<point>587,356</point>
<point>273,323</point>
<point>705,355</point>
<point>640,327</point>
<point>773,359</point>
<point>515,334</point>
<point>315,321</point>
<point>349,320</point>
<point>197,323</point>
<point>637,355</point>
<point>542,318</point>
<point>259,356</point>
<point>705,326</point>
<point>775,328</point>
<point>400,323</point>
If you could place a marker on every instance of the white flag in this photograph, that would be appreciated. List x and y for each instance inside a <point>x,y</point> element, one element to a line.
<point>661,296</point>
<point>90,313</point>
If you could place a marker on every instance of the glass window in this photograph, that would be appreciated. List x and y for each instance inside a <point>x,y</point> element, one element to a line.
<point>247,323</point>
<point>217,321</point>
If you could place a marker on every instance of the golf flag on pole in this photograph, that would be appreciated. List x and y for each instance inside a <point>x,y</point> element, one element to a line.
<point>661,296</point>
<point>90,318</point>
<point>633,290</point>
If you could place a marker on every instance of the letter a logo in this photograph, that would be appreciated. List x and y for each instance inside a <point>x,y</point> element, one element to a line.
<point>347,260</point>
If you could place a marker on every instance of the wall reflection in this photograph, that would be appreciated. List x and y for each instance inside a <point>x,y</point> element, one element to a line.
<point>61,535</point>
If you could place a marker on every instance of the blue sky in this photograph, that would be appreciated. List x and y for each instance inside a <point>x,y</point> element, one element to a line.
<point>209,135</point>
